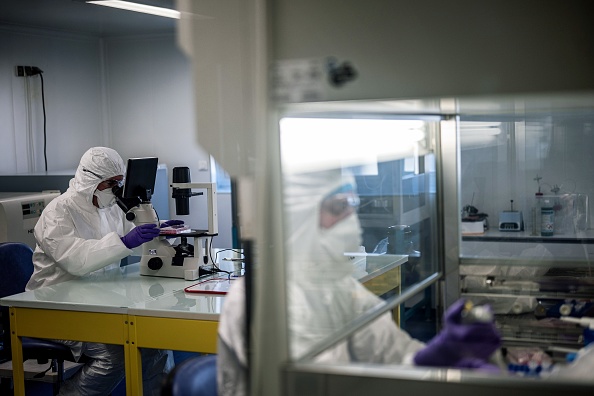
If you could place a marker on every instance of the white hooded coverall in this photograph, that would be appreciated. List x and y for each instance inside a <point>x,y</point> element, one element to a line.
<point>323,296</point>
<point>75,238</point>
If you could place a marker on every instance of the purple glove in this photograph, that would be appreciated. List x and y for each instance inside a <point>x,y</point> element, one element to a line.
<point>170,223</point>
<point>459,342</point>
<point>139,235</point>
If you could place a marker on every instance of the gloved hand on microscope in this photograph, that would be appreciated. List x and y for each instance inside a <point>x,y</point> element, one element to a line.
<point>145,232</point>
<point>468,340</point>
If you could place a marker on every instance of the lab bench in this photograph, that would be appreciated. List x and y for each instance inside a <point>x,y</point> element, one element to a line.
<point>120,307</point>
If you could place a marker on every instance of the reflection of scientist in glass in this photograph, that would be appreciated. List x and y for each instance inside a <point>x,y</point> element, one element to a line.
<point>323,296</point>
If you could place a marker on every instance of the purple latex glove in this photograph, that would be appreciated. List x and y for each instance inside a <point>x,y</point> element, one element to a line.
<point>139,235</point>
<point>458,341</point>
<point>170,223</point>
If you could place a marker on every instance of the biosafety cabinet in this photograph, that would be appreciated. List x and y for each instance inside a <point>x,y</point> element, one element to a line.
<point>447,119</point>
<point>539,273</point>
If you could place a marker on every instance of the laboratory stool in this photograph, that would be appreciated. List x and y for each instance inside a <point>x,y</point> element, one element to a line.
<point>195,376</point>
<point>16,266</point>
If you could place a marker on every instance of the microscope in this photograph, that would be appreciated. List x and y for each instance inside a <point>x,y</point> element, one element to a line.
<point>159,256</point>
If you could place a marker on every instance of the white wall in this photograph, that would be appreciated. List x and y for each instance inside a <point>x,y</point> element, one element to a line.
<point>133,94</point>
<point>557,148</point>
<point>72,90</point>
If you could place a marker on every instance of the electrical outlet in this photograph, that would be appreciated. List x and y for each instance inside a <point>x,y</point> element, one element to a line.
<point>25,71</point>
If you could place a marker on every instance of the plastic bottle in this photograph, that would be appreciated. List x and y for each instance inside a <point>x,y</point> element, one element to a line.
<point>547,217</point>
<point>360,262</point>
<point>476,314</point>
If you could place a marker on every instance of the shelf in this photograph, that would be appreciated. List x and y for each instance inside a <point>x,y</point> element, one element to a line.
<point>525,328</point>
<point>581,237</point>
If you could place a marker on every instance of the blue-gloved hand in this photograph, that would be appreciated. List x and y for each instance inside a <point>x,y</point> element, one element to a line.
<point>139,235</point>
<point>458,341</point>
<point>170,223</point>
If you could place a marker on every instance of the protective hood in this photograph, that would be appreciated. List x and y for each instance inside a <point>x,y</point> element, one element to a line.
<point>323,296</point>
<point>96,165</point>
<point>315,253</point>
<point>73,237</point>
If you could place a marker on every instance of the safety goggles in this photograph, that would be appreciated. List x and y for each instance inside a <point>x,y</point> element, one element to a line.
<point>92,173</point>
<point>338,205</point>
<point>109,183</point>
<point>340,200</point>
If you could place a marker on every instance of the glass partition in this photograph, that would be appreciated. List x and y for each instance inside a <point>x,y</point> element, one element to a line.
<point>361,229</point>
<point>359,194</point>
<point>526,236</point>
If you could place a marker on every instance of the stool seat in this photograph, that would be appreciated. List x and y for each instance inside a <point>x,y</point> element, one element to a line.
<point>16,266</point>
<point>37,348</point>
<point>195,376</point>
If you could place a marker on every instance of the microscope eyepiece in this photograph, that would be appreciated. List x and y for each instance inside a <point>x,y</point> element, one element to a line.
<point>182,196</point>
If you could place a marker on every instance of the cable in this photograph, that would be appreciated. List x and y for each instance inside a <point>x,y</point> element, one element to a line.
<point>37,71</point>
<point>42,373</point>
<point>210,253</point>
<point>214,265</point>
<point>30,140</point>
<point>226,250</point>
<point>44,120</point>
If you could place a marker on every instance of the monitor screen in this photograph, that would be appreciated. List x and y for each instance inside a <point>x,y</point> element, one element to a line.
<point>140,178</point>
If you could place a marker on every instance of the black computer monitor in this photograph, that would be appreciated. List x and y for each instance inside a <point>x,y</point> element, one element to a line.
<point>140,178</point>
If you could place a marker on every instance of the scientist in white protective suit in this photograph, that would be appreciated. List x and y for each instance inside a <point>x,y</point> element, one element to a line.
<point>323,296</point>
<point>82,232</point>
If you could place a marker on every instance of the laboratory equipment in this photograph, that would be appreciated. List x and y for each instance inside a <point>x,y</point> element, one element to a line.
<point>547,218</point>
<point>511,220</point>
<point>197,255</point>
<point>473,222</point>
<point>400,239</point>
<point>536,215</point>
<point>19,212</point>
<point>159,256</point>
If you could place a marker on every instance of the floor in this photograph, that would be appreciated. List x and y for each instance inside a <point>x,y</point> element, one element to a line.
<point>37,388</point>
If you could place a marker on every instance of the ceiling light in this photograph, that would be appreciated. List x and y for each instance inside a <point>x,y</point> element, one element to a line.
<point>311,144</point>
<point>143,8</point>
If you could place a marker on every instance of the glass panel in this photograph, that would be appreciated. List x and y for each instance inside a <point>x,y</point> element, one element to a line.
<point>527,241</point>
<point>360,222</point>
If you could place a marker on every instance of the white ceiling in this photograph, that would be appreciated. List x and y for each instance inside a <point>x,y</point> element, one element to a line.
<point>78,17</point>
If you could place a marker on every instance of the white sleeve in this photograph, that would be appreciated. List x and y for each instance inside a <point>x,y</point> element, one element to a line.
<point>382,341</point>
<point>75,255</point>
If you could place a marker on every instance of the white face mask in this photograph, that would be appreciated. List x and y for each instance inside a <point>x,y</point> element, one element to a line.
<point>332,243</point>
<point>105,198</point>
